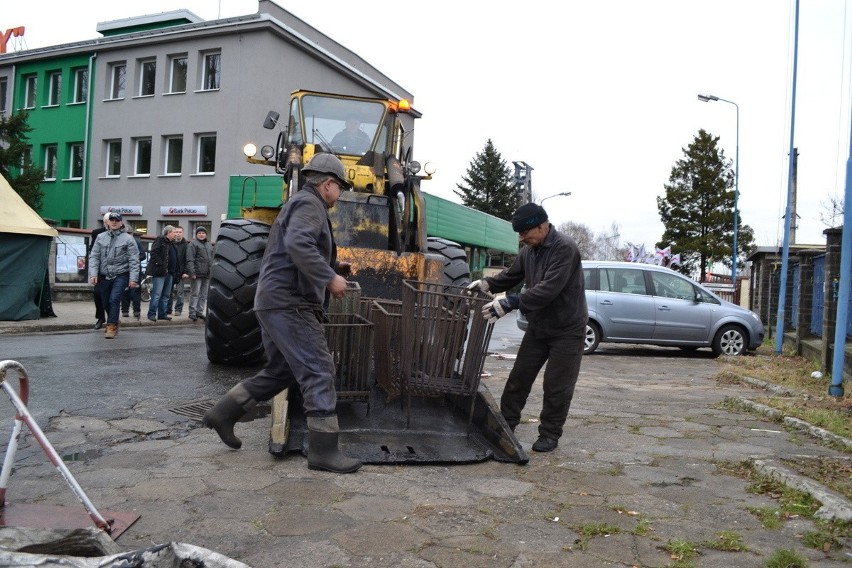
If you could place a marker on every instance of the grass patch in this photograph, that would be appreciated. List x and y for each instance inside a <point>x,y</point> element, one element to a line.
<point>726,541</point>
<point>786,559</point>
<point>590,530</point>
<point>684,553</point>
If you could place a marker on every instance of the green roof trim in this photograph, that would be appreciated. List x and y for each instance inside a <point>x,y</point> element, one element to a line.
<point>467,226</point>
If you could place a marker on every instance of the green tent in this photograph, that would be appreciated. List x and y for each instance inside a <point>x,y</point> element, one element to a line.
<point>25,241</point>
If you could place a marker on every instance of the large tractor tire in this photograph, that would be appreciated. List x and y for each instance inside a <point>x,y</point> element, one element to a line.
<point>456,268</point>
<point>232,333</point>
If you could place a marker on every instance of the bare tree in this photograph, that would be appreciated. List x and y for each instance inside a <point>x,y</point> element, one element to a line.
<point>583,235</point>
<point>608,246</point>
<point>832,215</point>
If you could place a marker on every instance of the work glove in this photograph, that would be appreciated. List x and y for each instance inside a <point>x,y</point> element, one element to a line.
<point>495,310</point>
<point>481,285</point>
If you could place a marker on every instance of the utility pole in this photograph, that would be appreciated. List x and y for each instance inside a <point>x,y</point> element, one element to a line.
<point>794,224</point>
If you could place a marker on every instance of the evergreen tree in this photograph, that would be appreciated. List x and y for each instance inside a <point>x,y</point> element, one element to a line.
<point>23,177</point>
<point>489,185</point>
<point>698,209</point>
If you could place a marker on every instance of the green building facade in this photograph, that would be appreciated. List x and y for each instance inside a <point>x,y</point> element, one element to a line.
<point>55,95</point>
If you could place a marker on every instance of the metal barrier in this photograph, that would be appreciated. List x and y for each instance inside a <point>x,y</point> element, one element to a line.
<point>386,316</point>
<point>444,340</point>
<point>349,339</point>
<point>23,415</point>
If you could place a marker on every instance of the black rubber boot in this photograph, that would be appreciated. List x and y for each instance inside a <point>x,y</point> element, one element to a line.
<point>323,453</point>
<point>227,411</point>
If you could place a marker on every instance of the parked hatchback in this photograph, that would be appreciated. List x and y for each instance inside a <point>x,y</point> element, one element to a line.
<point>648,304</point>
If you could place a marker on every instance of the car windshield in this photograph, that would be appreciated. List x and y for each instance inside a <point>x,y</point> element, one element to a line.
<point>343,126</point>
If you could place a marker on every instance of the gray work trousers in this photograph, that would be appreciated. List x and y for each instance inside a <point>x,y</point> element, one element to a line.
<point>296,353</point>
<point>563,354</point>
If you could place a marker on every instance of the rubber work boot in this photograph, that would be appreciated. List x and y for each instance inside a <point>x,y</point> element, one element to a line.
<point>111,330</point>
<point>323,453</point>
<point>226,412</point>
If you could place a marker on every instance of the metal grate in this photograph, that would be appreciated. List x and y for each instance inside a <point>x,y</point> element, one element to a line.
<point>194,410</point>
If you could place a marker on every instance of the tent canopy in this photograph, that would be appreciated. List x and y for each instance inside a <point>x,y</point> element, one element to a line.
<point>25,241</point>
<point>18,217</point>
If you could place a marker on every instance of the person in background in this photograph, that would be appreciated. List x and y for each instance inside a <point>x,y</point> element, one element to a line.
<point>177,293</point>
<point>298,275</point>
<point>134,295</point>
<point>554,303</point>
<point>199,260</point>
<point>100,317</point>
<point>115,256</point>
<point>161,266</point>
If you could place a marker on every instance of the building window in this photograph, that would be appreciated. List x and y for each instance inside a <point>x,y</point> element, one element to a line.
<point>118,80</point>
<point>211,74</point>
<point>76,154</point>
<point>147,77</point>
<point>174,154</point>
<point>54,85</point>
<point>113,159</point>
<point>4,90</point>
<point>27,157</point>
<point>206,154</point>
<point>177,80</point>
<point>50,162</point>
<point>30,85</point>
<point>142,165</point>
<point>81,85</point>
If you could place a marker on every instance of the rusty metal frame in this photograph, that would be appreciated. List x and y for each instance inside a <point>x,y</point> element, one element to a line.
<point>444,340</point>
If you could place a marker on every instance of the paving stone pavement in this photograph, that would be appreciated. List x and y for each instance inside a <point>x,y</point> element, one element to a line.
<point>639,456</point>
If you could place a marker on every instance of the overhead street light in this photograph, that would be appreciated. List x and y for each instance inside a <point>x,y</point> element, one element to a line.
<point>563,194</point>
<point>707,98</point>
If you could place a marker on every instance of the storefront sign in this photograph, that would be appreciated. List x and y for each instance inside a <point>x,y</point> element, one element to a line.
<point>123,209</point>
<point>174,210</point>
<point>11,32</point>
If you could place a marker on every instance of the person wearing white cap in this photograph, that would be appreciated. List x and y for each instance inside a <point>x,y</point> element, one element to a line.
<point>114,266</point>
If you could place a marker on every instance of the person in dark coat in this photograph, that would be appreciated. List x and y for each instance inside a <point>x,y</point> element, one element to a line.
<point>176,297</point>
<point>199,261</point>
<point>100,317</point>
<point>160,268</point>
<point>133,296</point>
<point>298,274</point>
<point>554,303</point>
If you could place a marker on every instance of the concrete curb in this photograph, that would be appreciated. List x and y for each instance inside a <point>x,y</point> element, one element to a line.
<point>834,506</point>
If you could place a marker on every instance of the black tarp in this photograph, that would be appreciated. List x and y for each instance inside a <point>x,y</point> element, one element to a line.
<point>23,264</point>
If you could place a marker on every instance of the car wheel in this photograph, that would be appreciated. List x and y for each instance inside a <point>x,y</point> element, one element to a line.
<point>593,338</point>
<point>730,340</point>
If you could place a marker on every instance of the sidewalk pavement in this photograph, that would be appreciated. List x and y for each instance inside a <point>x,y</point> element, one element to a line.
<point>80,315</point>
<point>640,467</point>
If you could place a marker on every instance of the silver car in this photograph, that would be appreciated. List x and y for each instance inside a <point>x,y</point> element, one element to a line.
<point>642,303</point>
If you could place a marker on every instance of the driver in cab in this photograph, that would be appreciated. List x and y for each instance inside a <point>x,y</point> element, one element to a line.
<point>351,140</point>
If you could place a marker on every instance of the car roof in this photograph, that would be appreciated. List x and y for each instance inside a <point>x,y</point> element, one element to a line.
<point>618,264</point>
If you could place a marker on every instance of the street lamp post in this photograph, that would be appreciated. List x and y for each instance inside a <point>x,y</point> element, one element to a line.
<point>563,194</point>
<point>707,98</point>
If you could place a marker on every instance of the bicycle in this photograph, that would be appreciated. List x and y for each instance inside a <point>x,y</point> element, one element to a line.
<point>145,286</point>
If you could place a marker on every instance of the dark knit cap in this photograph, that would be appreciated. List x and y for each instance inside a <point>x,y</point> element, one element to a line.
<point>200,230</point>
<point>528,216</point>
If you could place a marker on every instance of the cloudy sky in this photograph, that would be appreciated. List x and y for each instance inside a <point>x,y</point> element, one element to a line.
<point>599,97</point>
